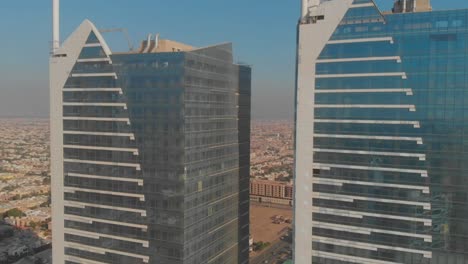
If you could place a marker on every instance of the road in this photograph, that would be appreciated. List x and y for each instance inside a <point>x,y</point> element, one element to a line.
<point>272,254</point>
<point>272,205</point>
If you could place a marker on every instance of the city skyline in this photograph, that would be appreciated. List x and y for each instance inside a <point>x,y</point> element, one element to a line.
<point>152,147</point>
<point>24,160</point>
<point>269,45</point>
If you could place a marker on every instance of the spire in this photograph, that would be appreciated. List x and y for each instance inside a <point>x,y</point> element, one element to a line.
<point>55,25</point>
<point>305,9</point>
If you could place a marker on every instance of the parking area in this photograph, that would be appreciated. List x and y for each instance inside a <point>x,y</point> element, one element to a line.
<point>266,224</point>
<point>270,225</point>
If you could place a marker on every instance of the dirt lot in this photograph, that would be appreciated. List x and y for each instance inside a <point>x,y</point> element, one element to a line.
<point>262,227</point>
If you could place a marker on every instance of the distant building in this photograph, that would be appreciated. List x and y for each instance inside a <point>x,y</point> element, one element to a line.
<point>276,192</point>
<point>20,222</point>
<point>16,243</point>
<point>381,120</point>
<point>150,153</point>
<point>406,6</point>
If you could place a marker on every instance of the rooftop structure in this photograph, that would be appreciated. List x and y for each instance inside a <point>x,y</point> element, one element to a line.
<point>155,45</point>
<point>408,6</point>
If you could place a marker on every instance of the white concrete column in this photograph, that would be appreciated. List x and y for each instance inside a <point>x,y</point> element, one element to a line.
<point>55,25</point>
<point>305,7</point>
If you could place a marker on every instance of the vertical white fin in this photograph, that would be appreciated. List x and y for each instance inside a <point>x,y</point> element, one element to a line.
<point>305,8</point>
<point>55,25</point>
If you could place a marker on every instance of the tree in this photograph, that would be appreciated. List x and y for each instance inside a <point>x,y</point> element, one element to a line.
<point>44,226</point>
<point>259,246</point>
<point>46,181</point>
<point>33,225</point>
<point>15,212</point>
<point>44,204</point>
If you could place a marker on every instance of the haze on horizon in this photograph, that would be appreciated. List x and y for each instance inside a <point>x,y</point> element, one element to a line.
<point>263,33</point>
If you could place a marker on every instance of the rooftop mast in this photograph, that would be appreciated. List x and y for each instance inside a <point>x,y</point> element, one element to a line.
<point>55,25</point>
<point>305,8</point>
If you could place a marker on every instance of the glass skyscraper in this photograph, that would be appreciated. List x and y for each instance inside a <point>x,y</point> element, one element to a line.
<point>381,173</point>
<point>150,153</point>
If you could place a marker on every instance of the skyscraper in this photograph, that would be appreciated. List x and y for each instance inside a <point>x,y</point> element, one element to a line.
<point>381,120</point>
<point>150,152</point>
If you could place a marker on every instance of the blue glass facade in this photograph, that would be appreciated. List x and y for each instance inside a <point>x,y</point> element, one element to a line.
<point>389,183</point>
<point>156,157</point>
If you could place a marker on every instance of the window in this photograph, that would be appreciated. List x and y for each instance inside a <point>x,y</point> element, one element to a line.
<point>457,23</point>
<point>442,24</point>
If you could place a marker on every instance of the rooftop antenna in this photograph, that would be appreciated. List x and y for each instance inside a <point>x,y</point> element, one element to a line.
<point>55,26</point>
<point>305,9</point>
<point>156,41</point>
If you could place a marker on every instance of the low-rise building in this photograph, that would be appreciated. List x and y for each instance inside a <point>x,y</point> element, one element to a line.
<point>264,191</point>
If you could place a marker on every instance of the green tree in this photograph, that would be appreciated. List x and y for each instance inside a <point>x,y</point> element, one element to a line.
<point>15,212</point>
<point>46,181</point>
<point>259,246</point>
<point>33,225</point>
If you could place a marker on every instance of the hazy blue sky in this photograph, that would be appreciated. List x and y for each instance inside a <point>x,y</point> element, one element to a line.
<point>263,33</point>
